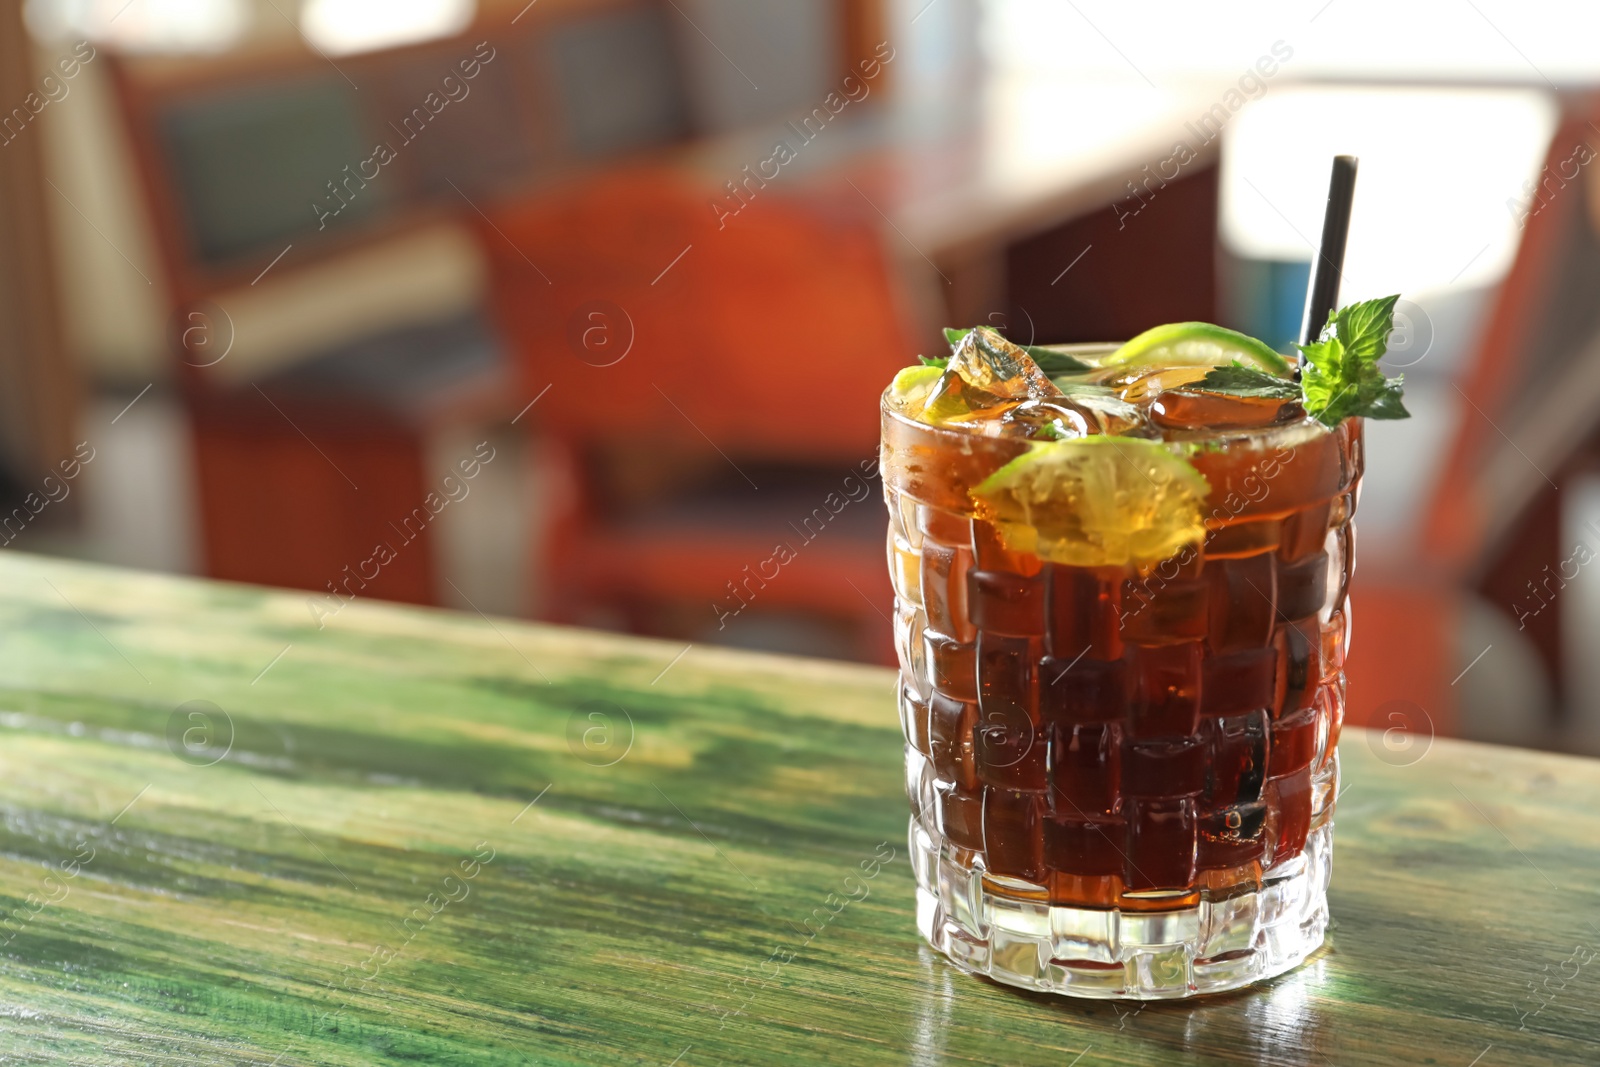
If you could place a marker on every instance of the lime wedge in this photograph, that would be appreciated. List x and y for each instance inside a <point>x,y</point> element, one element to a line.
<point>1096,502</point>
<point>1196,344</point>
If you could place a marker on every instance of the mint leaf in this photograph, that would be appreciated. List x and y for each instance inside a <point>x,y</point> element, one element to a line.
<point>1331,381</point>
<point>1053,362</point>
<point>1341,376</point>
<point>942,362</point>
<point>1388,404</point>
<point>1073,387</point>
<point>954,336</point>
<point>1242,381</point>
<point>1364,328</point>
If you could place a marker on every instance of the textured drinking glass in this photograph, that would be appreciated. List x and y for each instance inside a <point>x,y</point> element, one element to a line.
<point>1122,779</point>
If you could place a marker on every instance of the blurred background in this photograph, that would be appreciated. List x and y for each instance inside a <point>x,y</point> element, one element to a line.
<point>578,309</point>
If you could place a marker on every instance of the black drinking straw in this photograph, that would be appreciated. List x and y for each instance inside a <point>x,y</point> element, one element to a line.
<point>1323,296</point>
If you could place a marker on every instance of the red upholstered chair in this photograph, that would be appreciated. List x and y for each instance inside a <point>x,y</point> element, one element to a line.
<point>708,388</point>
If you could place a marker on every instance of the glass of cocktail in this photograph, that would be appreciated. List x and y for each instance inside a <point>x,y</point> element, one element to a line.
<point>1121,579</point>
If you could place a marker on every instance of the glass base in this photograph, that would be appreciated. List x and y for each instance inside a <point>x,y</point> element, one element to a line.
<point>1110,954</point>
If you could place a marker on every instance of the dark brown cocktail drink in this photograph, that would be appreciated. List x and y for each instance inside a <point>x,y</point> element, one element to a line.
<point>1122,619</point>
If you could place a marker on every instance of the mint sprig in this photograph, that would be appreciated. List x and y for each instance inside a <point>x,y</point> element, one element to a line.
<point>1341,378</point>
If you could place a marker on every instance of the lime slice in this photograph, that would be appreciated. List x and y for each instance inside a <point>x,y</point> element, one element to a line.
<point>912,379</point>
<point>1196,344</point>
<point>1096,502</point>
<point>911,387</point>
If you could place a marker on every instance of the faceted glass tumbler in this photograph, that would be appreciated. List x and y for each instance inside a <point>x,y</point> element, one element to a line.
<point>1122,781</point>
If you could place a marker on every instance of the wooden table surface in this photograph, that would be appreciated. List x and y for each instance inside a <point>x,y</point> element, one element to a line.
<point>438,838</point>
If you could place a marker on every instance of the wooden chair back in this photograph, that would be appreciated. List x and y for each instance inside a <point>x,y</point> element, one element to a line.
<point>652,313</point>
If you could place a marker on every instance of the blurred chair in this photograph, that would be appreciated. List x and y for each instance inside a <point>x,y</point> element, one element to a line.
<point>1529,397</point>
<point>708,390</point>
<point>40,387</point>
<point>299,466</point>
<point>258,173</point>
<point>303,472</point>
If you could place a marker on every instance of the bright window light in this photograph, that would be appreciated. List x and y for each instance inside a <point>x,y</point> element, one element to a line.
<point>1433,206</point>
<point>343,26</point>
<point>1169,40</point>
<point>164,26</point>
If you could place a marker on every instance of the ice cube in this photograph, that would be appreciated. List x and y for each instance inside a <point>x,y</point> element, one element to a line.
<point>991,363</point>
<point>954,398</point>
<point>1141,383</point>
<point>1047,421</point>
<point>1187,409</point>
<point>1105,410</point>
<point>1110,414</point>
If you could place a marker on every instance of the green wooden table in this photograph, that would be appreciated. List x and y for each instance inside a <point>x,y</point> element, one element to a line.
<point>423,837</point>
